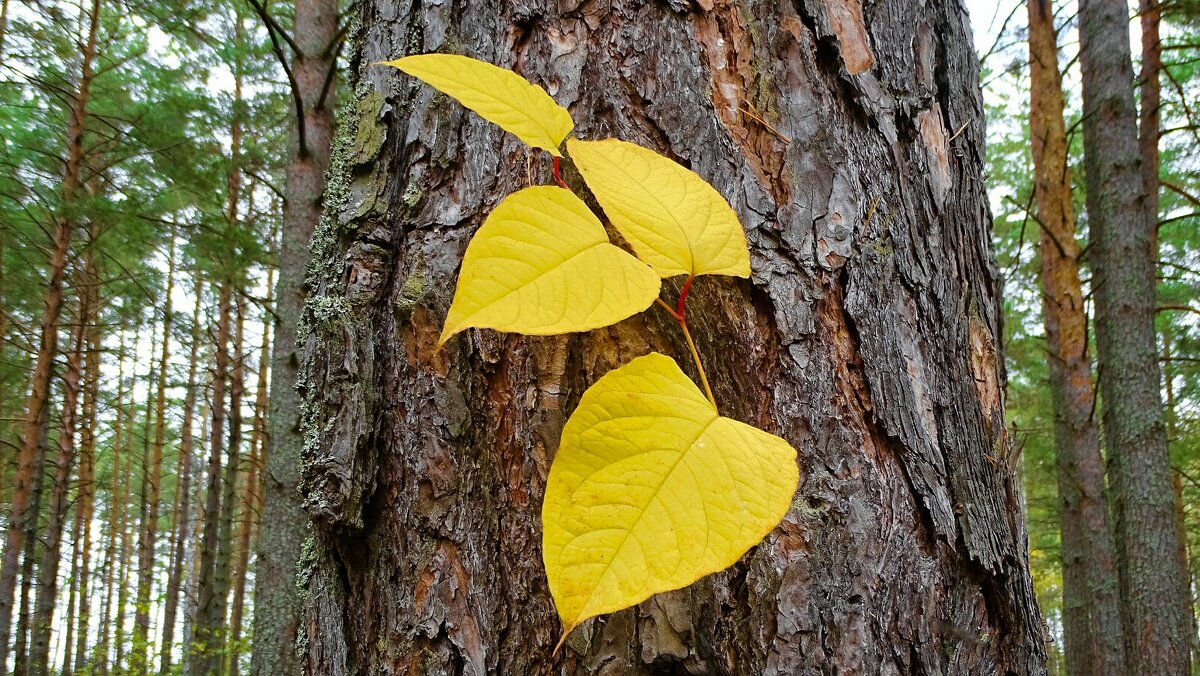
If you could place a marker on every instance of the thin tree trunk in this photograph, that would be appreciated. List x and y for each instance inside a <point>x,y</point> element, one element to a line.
<point>125,561</point>
<point>251,492</point>
<point>87,466</point>
<point>1093,636</point>
<point>221,576</point>
<point>73,590</point>
<point>276,607</point>
<point>116,515</point>
<point>27,473</point>
<point>204,643</point>
<point>149,530</point>
<point>1150,113</point>
<point>182,509</point>
<point>1153,584</point>
<point>868,337</point>
<point>56,517</point>
<point>29,556</point>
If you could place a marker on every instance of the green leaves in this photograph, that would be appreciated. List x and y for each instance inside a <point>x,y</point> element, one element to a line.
<point>542,264</point>
<point>497,95</point>
<point>651,490</point>
<point>674,219</point>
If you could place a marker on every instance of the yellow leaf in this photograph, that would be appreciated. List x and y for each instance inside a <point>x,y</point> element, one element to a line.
<point>496,94</point>
<point>542,264</point>
<point>651,490</point>
<point>672,218</point>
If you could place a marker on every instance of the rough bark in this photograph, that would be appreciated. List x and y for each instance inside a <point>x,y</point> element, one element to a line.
<point>148,533</point>
<point>1150,111</point>
<point>182,510</point>
<point>1093,636</point>
<point>276,608</point>
<point>39,395</point>
<point>1153,584</point>
<point>867,337</point>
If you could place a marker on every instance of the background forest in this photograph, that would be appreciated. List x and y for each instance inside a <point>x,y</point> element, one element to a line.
<point>145,162</point>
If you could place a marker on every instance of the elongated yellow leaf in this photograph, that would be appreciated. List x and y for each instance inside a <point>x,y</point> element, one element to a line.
<point>496,94</point>
<point>673,219</point>
<point>651,490</point>
<point>542,264</point>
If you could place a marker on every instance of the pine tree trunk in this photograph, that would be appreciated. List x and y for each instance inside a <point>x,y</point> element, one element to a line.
<point>1153,584</point>
<point>251,498</point>
<point>867,337</point>
<point>116,515</point>
<point>276,607</point>
<point>1149,112</point>
<point>209,627</point>
<point>32,528</point>
<point>1093,636</point>
<point>126,563</point>
<point>203,646</point>
<point>182,511</point>
<point>85,510</point>
<point>56,515</point>
<point>39,396</point>
<point>222,576</point>
<point>149,530</point>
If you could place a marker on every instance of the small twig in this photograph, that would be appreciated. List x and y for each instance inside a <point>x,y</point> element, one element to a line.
<point>745,108</point>
<point>558,175</point>
<point>957,133</point>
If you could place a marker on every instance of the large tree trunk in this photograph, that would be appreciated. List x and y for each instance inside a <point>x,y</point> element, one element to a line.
<point>1154,584</point>
<point>1093,636</point>
<point>867,337</point>
<point>276,608</point>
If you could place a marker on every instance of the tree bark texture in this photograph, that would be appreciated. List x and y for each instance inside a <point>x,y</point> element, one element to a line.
<point>276,607</point>
<point>1093,636</point>
<point>1154,584</point>
<point>849,140</point>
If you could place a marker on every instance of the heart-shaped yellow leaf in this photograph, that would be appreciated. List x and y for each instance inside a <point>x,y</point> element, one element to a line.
<point>496,94</point>
<point>673,219</point>
<point>651,490</point>
<point>542,264</point>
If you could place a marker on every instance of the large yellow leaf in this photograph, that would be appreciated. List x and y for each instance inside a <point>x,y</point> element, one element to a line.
<point>651,490</point>
<point>496,94</point>
<point>542,264</point>
<point>674,219</point>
